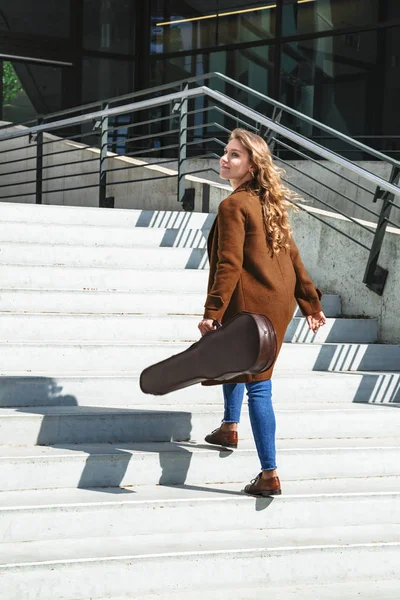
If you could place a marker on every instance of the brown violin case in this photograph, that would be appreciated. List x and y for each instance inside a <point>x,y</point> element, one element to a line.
<point>246,344</point>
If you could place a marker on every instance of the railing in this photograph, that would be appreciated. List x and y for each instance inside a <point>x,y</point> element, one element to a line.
<point>386,144</point>
<point>195,122</point>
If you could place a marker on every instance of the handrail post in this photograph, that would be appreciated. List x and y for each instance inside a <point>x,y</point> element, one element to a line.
<point>270,135</point>
<point>39,163</point>
<point>103,158</point>
<point>182,150</point>
<point>205,204</point>
<point>375,276</point>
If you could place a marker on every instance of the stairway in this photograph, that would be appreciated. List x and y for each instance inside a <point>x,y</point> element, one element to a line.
<point>88,298</point>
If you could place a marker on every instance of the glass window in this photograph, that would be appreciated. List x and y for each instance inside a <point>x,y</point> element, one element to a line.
<point>308,16</point>
<point>108,25</point>
<point>180,26</point>
<point>389,74</point>
<point>47,17</point>
<point>393,9</point>
<point>29,90</point>
<point>246,23</point>
<point>106,78</point>
<point>349,82</point>
<point>253,67</point>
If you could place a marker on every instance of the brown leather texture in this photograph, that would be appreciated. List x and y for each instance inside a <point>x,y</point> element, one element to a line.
<point>228,439</point>
<point>246,344</point>
<point>244,276</point>
<point>264,487</point>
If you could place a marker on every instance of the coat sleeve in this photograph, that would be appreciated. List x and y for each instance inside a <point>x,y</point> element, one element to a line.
<point>307,295</point>
<point>231,235</point>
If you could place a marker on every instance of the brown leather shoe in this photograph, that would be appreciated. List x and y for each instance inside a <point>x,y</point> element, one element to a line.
<point>263,487</point>
<point>227,439</point>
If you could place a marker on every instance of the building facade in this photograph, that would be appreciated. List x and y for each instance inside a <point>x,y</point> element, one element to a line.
<point>335,60</point>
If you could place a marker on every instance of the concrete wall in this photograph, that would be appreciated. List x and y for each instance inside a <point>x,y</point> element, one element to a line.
<point>337,266</point>
<point>16,178</point>
<point>24,153</point>
<point>315,179</point>
<point>336,263</point>
<point>330,186</point>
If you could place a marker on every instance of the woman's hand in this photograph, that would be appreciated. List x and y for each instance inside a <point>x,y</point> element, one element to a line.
<point>316,320</point>
<point>206,325</point>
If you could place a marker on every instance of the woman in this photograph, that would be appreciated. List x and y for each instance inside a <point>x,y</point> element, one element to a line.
<point>255,266</point>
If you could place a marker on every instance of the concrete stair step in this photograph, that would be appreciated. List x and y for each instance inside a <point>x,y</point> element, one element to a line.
<point>172,463</point>
<point>300,389</point>
<point>64,288</point>
<point>36,515</point>
<point>120,218</point>
<point>108,567</point>
<point>124,328</point>
<point>115,302</point>
<point>40,278</point>
<point>338,521</point>
<point>101,256</point>
<point>92,302</point>
<point>152,423</point>
<point>92,235</point>
<point>367,590</point>
<point>131,358</point>
<point>337,524</point>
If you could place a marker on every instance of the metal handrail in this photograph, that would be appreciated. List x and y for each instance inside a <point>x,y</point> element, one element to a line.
<point>330,225</point>
<point>106,112</point>
<point>320,164</point>
<point>303,141</point>
<point>336,210</point>
<point>225,100</point>
<point>308,119</point>
<point>334,133</point>
<point>326,186</point>
<point>178,102</point>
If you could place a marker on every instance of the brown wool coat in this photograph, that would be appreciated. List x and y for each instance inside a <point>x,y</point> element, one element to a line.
<point>244,275</point>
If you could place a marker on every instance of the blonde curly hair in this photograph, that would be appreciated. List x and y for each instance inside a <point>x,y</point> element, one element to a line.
<point>268,187</point>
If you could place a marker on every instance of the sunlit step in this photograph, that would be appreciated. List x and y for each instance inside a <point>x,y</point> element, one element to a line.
<point>125,328</point>
<point>46,360</point>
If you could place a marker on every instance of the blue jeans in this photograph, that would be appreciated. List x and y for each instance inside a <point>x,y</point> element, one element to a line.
<point>262,416</point>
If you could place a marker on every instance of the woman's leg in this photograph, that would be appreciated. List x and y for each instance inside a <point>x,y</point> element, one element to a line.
<point>226,434</point>
<point>233,400</point>
<point>262,418</point>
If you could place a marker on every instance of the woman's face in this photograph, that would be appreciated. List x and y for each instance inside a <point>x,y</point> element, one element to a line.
<point>235,163</point>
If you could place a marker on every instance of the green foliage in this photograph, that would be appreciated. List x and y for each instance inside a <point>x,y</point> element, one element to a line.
<point>11,84</point>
